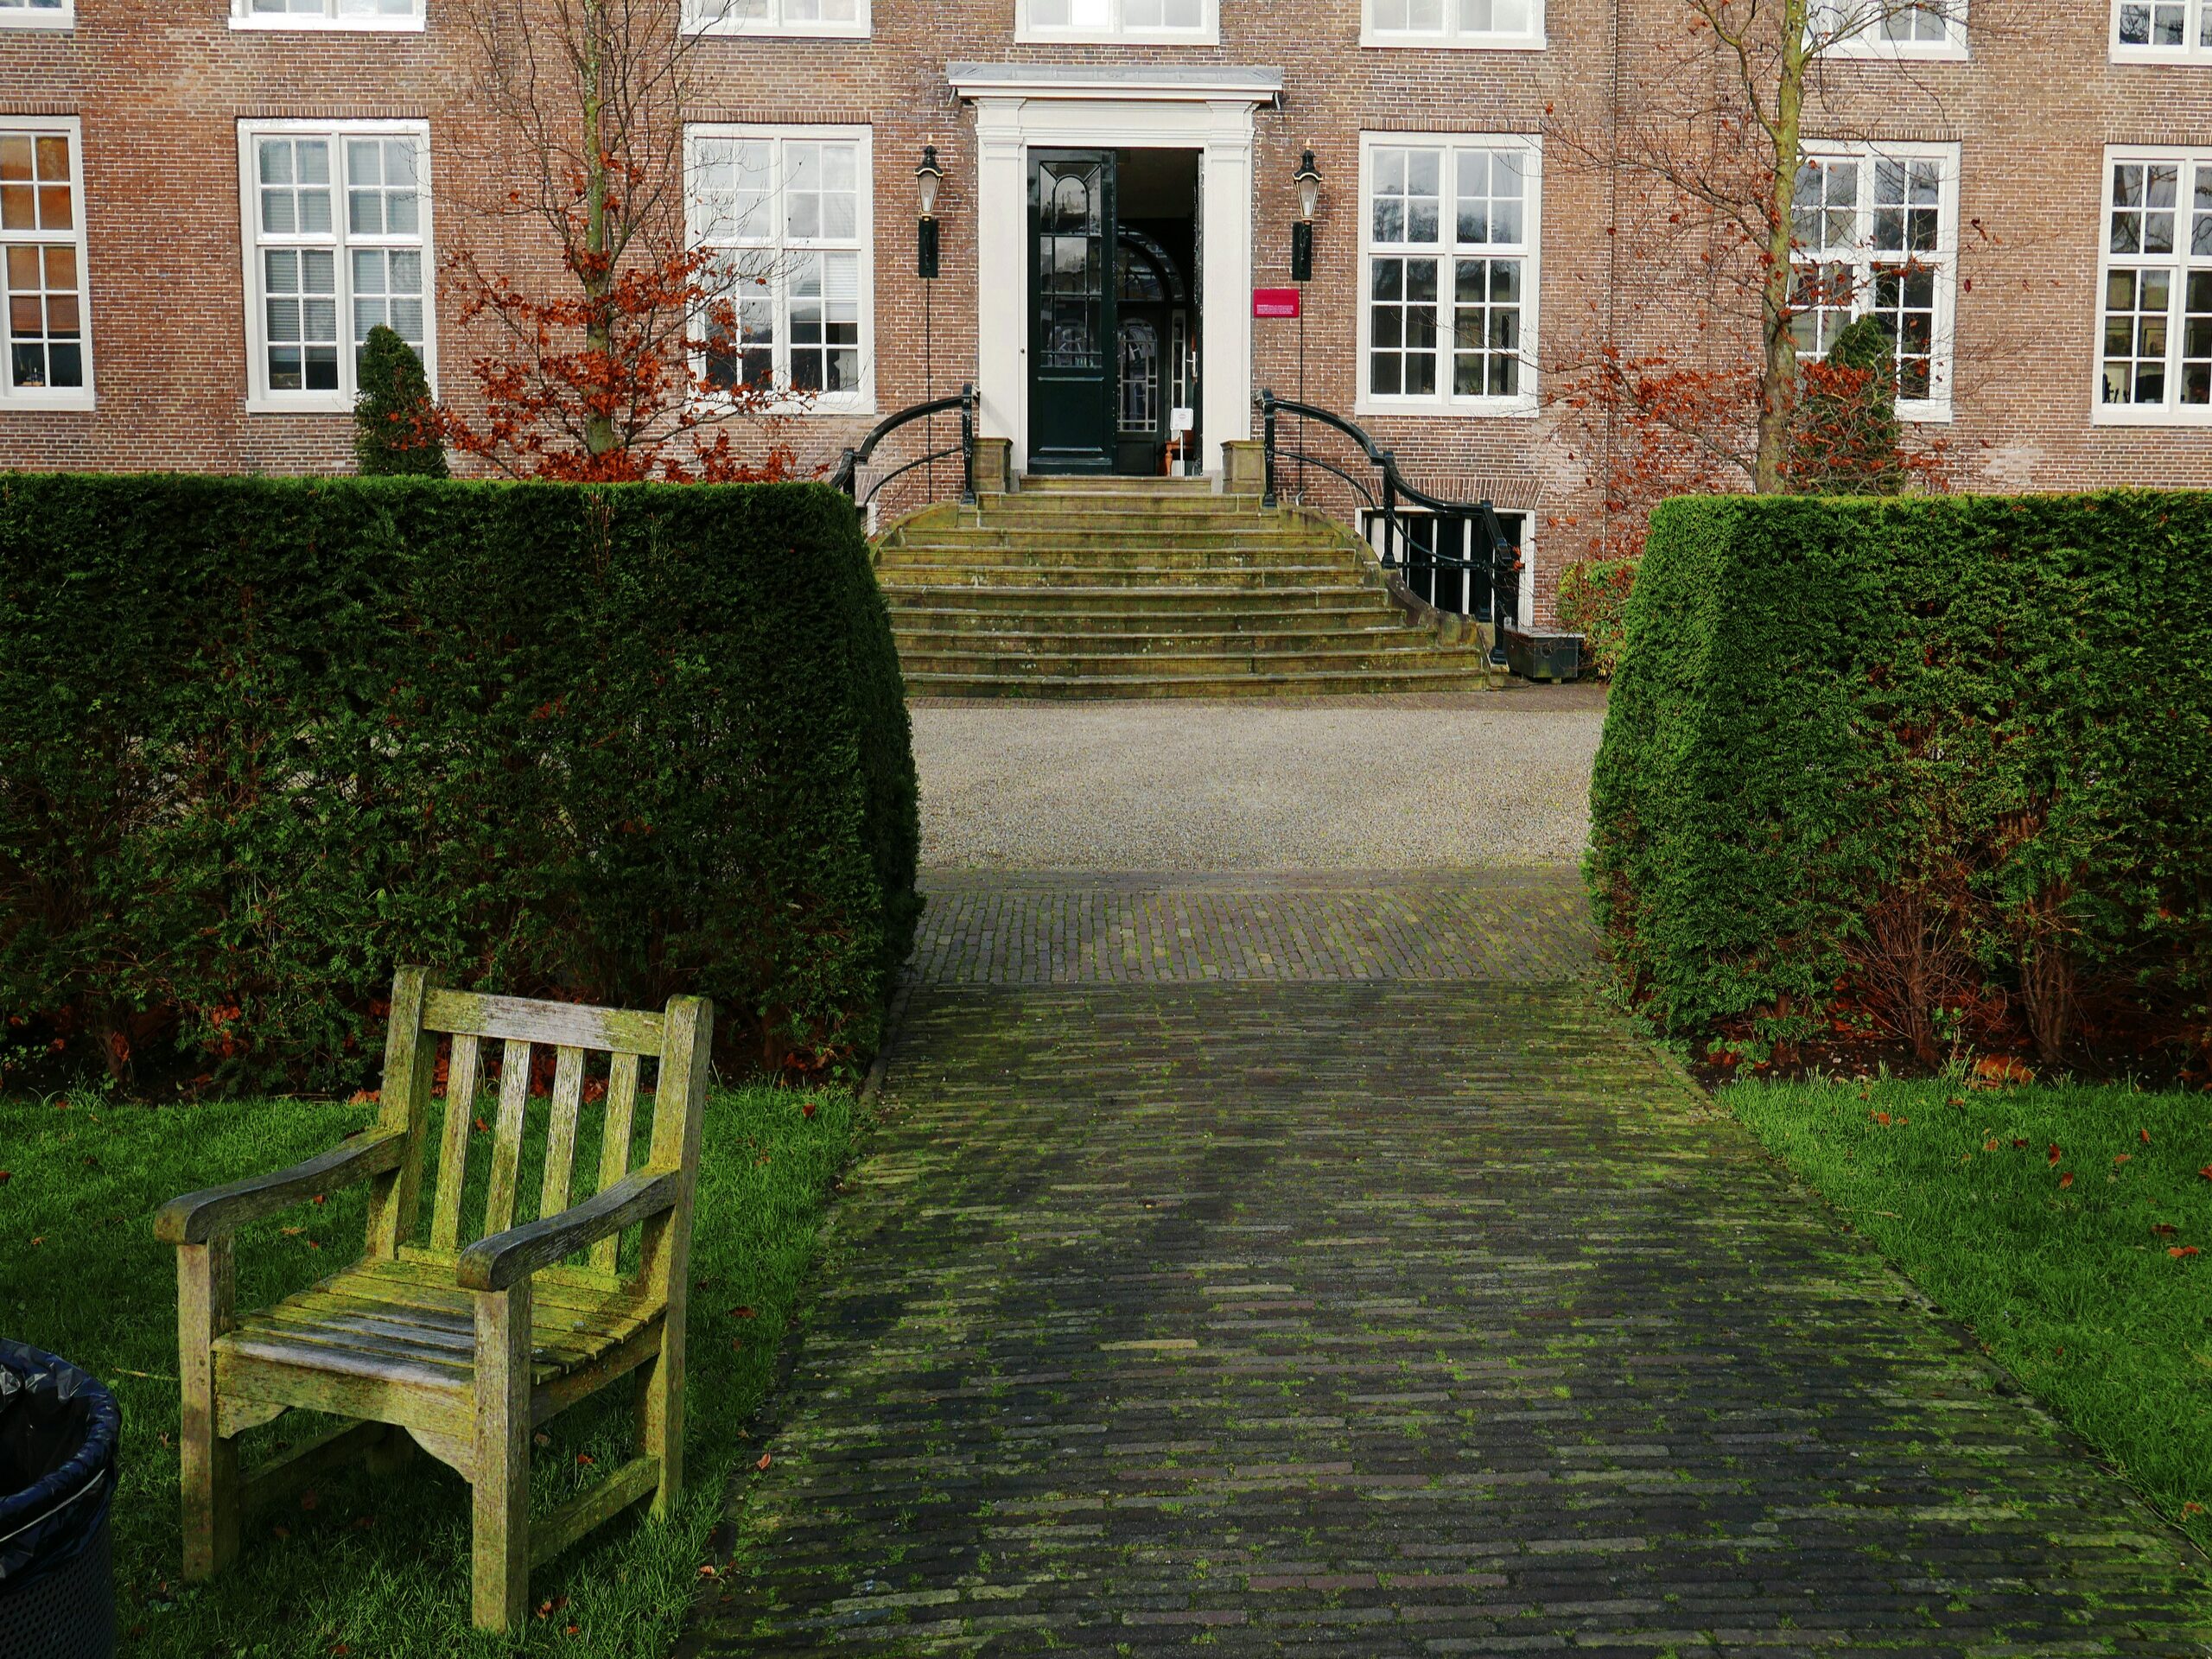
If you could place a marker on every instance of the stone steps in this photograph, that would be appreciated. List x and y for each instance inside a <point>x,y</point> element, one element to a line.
<point>1145,588</point>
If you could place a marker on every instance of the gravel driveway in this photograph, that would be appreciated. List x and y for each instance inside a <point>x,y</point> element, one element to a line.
<point>1365,783</point>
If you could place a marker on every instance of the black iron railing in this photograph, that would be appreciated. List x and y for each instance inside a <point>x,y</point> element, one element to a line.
<point>1472,526</point>
<point>847,476</point>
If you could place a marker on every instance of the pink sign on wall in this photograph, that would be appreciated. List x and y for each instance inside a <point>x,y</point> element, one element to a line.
<point>1274,301</point>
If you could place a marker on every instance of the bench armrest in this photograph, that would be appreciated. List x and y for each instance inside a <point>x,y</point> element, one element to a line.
<point>198,1217</point>
<point>497,1262</point>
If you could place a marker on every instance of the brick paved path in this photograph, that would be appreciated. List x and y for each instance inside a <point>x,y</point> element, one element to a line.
<point>1394,1313</point>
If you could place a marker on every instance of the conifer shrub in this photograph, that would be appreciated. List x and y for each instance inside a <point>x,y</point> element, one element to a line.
<point>261,740</point>
<point>395,419</point>
<point>1940,762</point>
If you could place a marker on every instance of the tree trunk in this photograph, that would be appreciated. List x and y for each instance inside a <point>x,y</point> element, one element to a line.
<point>1778,365</point>
<point>597,275</point>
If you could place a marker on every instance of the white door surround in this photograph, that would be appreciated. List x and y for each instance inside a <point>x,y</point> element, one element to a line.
<point>1208,109</point>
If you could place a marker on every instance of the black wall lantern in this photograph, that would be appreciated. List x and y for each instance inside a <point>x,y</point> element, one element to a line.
<point>927,178</point>
<point>1301,234</point>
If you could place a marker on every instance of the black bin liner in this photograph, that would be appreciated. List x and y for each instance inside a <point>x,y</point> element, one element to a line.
<point>59,1430</point>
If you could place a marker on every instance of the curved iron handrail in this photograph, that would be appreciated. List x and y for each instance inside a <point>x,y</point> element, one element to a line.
<point>1499,560</point>
<point>846,477</point>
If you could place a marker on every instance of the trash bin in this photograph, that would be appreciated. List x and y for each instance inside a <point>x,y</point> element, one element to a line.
<point>58,1429</point>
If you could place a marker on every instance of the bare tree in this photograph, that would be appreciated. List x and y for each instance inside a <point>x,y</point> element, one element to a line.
<point>614,358</point>
<point>1709,136</point>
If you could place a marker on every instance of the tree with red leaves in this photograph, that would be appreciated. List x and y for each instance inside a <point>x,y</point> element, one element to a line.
<point>600,369</point>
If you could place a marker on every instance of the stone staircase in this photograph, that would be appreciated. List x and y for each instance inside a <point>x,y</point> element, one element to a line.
<point>1153,588</point>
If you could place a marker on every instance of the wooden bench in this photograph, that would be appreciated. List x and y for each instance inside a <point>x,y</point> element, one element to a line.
<point>465,1347</point>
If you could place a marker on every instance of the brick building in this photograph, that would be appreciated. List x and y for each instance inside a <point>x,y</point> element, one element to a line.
<point>204,203</point>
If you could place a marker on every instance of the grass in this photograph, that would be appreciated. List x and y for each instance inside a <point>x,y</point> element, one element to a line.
<point>2049,1220</point>
<point>361,1566</point>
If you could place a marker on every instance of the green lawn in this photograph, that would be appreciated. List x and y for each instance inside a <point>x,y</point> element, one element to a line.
<point>359,1565</point>
<point>2074,1285</point>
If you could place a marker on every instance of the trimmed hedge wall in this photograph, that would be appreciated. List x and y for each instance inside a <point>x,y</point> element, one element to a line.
<point>260,739</point>
<point>1956,749</point>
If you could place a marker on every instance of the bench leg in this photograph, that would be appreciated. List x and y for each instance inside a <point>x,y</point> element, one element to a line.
<point>500,1489</point>
<point>660,1412</point>
<point>208,1473</point>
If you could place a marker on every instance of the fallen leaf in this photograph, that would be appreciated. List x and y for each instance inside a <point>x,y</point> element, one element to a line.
<point>41,1239</point>
<point>281,1532</point>
<point>2056,1154</point>
<point>482,1127</point>
<point>2164,1229</point>
<point>362,1098</point>
<point>809,1109</point>
<point>1990,1145</point>
<point>707,1570</point>
<point>307,1499</point>
<point>2181,1250</point>
<point>2144,1135</point>
<point>2122,1157</point>
<point>6,1176</point>
<point>2020,1145</point>
<point>742,1313</point>
<point>2192,1507</point>
<point>765,1461</point>
<point>1882,1118</point>
<point>2067,1179</point>
<point>541,1439</point>
<point>584,1460</point>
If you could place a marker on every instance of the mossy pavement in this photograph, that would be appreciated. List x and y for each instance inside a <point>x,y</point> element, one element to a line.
<point>1398,1301</point>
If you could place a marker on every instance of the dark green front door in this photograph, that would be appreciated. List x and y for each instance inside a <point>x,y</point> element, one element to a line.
<point>1072,340</point>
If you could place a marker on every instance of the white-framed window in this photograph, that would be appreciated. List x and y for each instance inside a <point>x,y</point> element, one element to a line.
<point>2154,341</point>
<point>1475,25</point>
<point>38,13</point>
<point>1889,29</point>
<point>817,19</point>
<point>1876,233</point>
<point>791,212</point>
<point>2162,31</point>
<point>399,14</point>
<point>1167,22</point>
<point>1449,229</point>
<point>337,240</point>
<point>46,329</point>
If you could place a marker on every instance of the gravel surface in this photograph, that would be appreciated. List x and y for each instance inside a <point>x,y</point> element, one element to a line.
<point>1501,779</point>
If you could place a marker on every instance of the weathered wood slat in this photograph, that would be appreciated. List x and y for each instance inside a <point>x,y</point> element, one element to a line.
<point>600,1503</point>
<point>464,1077</point>
<point>198,1217</point>
<point>506,1137</point>
<point>569,1025</point>
<point>561,1130</point>
<point>615,1146</point>
<point>436,1408</point>
<point>234,1417</point>
<point>410,1056</point>
<point>279,1346</point>
<point>555,1336</point>
<point>553,1398</point>
<point>575,1288</point>
<point>507,1257</point>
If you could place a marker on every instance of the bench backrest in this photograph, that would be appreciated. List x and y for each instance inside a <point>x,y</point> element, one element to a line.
<point>513,1028</point>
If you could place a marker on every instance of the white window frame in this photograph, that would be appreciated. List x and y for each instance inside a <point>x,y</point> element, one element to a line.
<point>1027,33</point>
<point>61,17</point>
<point>2172,412</point>
<point>2194,48</point>
<point>713,17</point>
<point>1935,408</point>
<point>260,400</point>
<point>1444,402</point>
<point>243,16</point>
<point>1452,37</point>
<point>861,402</point>
<point>78,397</point>
<point>1865,39</point>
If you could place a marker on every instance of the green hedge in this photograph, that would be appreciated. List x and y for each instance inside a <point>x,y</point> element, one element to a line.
<point>260,739</point>
<point>1971,736</point>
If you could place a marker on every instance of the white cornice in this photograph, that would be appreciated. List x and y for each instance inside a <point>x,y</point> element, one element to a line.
<point>1130,83</point>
